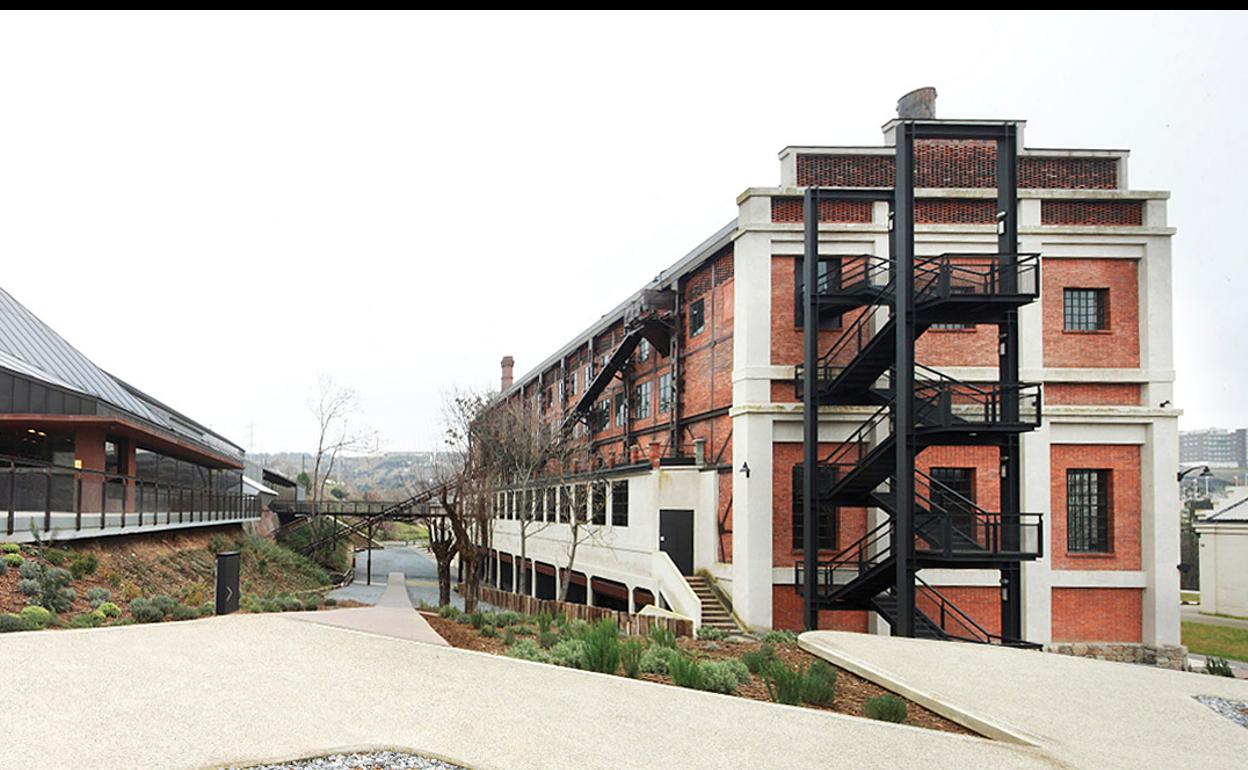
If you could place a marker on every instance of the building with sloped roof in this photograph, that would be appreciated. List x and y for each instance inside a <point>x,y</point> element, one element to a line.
<point>84,453</point>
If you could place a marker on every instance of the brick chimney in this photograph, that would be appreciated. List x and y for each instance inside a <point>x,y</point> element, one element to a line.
<point>508,365</point>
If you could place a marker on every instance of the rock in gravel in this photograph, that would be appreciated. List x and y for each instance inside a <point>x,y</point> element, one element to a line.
<point>371,760</point>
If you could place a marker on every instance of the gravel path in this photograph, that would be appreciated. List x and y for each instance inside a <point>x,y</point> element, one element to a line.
<point>373,760</point>
<point>1234,710</point>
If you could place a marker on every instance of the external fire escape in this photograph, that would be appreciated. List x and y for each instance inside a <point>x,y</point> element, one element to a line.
<point>888,303</point>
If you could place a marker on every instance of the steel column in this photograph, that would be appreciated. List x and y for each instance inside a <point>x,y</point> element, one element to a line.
<point>903,379</point>
<point>1008,376</point>
<point>810,408</point>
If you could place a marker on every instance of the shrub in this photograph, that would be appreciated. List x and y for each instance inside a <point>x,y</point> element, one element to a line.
<point>109,609</point>
<point>784,684</point>
<point>290,603</point>
<point>489,631</point>
<point>711,633</point>
<point>738,669</point>
<point>10,548</point>
<point>1218,667</point>
<point>780,637</point>
<point>657,659</point>
<point>820,689</point>
<point>602,647</point>
<point>206,609</point>
<point>113,578</point>
<point>720,676</point>
<point>194,593</point>
<point>83,564</point>
<point>91,619</point>
<point>182,612</point>
<point>448,611</point>
<point>886,708</point>
<point>97,595</point>
<point>35,617</point>
<point>575,629</point>
<point>217,543</point>
<point>527,649</point>
<point>55,556</point>
<point>630,657</point>
<point>755,660</point>
<point>28,587</point>
<point>509,637</point>
<point>663,636</point>
<point>506,618</point>
<point>686,672</point>
<point>10,622</point>
<point>312,602</point>
<point>31,570</point>
<point>13,560</point>
<point>522,629</point>
<point>547,639</point>
<point>543,620</point>
<point>569,653</point>
<point>331,601</point>
<point>146,611</point>
<point>165,602</point>
<point>53,592</point>
<point>476,619</point>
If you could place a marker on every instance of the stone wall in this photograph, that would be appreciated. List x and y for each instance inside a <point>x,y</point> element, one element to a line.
<point>1162,656</point>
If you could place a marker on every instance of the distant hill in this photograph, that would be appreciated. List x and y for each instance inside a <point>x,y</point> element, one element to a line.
<point>386,476</point>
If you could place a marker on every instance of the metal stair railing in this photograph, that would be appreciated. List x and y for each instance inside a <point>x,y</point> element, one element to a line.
<point>966,629</point>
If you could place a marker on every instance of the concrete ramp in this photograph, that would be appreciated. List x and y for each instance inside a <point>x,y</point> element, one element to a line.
<point>393,616</point>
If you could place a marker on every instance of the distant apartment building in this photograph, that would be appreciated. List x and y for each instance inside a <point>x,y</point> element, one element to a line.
<point>86,454</point>
<point>688,464</point>
<point>1215,447</point>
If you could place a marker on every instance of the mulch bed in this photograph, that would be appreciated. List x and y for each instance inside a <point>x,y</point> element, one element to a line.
<point>851,691</point>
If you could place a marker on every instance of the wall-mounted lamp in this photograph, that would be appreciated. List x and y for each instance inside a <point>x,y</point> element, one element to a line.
<point>745,468</point>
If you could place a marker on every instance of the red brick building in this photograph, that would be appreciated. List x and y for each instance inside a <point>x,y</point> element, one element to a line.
<point>687,465</point>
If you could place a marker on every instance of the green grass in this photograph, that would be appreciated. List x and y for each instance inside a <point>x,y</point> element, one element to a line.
<point>1192,597</point>
<point>1224,642</point>
<point>401,530</point>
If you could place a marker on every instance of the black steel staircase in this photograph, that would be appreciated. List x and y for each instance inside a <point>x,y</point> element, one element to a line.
<point>886,305</point>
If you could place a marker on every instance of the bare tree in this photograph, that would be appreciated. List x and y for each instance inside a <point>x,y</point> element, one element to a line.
<point>580,523</point>
<point>523,445</point>
<point>469,477</point>
<point>442,545</point>
<point>334,409</point>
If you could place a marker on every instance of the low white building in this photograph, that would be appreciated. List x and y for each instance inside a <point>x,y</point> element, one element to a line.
<point>1224,558</point>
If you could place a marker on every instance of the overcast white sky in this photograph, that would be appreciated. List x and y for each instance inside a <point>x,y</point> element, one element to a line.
<point>218,207</point>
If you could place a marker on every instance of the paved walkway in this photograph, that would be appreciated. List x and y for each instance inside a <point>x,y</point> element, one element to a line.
<point>392,616</point>
<point>1082,713</point>
<point>420,573</point>
<point>1191,613</point>
<point>251,688</point>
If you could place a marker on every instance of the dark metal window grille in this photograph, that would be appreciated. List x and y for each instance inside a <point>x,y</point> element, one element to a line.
<point>825,512</point>
<point>1087,510</point>
<point>641,406</point>
<point>1085,310</point>
<point>599,501</point>
<point>828,280</point>
<point>667,394</point>
<point>956,499</point>
<point>578,502</point>
<point>697,317</point>
<point>621,410</point>
<point>619,503</point>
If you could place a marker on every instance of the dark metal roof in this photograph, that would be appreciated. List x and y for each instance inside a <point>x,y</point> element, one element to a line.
<point>30,346</point>
<point>31,341</point>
